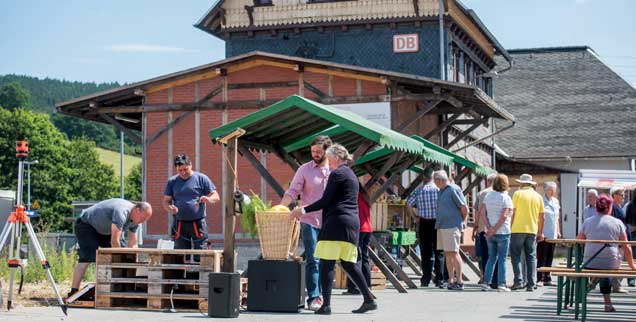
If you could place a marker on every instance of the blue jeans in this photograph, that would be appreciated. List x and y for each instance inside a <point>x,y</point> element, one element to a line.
<point>527,243</point>
<point>497,254</point>
<point>632,237</point>
<point>312,279</point>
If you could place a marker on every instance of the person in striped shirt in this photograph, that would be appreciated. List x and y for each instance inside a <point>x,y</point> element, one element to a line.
<point>424,198</point>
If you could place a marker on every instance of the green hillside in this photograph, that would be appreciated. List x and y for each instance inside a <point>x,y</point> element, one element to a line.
<point>112,158</point>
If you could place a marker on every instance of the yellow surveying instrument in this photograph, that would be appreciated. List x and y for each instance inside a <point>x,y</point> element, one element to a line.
<point>13,231</point>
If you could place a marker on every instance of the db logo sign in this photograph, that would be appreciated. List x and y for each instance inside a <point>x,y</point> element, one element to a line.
<point>406,43</point>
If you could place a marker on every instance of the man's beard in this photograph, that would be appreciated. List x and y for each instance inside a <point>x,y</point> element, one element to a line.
<point>319,161</point>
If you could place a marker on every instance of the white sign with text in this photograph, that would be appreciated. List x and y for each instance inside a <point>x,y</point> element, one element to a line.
<point>408,43</point>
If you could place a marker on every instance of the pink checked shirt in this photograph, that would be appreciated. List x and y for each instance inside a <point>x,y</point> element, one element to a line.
<point>309,182</point>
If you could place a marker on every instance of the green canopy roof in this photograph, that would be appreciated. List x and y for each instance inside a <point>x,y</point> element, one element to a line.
<point>480,170</point>
<point>293,122</point>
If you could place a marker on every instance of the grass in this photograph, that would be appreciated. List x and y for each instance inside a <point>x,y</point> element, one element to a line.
<point>112,158</point>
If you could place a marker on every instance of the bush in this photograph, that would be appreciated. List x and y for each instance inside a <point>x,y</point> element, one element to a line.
<point>62,267</point>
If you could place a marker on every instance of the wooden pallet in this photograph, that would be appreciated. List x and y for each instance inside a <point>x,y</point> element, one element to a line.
<point>129,278</point>
<point>378,280</point>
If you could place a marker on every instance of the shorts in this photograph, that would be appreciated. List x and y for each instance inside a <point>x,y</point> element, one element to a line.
<point>448,239</point>
<point>89,240</point>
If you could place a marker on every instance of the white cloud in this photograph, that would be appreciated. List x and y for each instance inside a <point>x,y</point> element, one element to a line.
<point>146,48</point>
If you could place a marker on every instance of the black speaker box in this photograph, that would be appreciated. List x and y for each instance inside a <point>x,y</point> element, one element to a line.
<point>275,286</point>
<point>224,295</point>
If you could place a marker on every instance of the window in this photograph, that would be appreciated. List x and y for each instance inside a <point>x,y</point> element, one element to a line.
<point>261,3</point>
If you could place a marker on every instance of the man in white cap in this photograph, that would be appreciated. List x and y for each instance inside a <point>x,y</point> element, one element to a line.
<point>527,229</point>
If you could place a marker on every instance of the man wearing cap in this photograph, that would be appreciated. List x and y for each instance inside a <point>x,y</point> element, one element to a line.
<point>424,198</point>
<point>526,230</point>
<point>186,196</point>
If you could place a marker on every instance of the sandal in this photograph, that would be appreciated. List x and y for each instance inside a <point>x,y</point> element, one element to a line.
<point>609,308</point>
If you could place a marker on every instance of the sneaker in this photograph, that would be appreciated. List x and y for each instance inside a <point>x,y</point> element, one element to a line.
<point>631,283</point>
<point>548,283</point>
<point>502,288</point>
<point>530,288</point>
<point>456,287</point>
<point>517,287</point>
<point>450,285</point>
<point>315,304</point>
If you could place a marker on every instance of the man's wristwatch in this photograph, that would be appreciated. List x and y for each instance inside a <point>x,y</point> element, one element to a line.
<point>302,210</point>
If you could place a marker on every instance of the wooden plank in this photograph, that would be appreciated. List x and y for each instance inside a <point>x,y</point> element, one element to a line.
<point>462,135</point>
<point>470,263</point>
<point>442,126</point>
<point>389,163</point>
<point>385,270</point>
<point>262,85</point>
<point>168,126</point>
<point>423,111</point>
<point>410,261</point>
<point>386,256</point>
<point>407,192</point>
<point>315,90</point>
<point>203,252</point>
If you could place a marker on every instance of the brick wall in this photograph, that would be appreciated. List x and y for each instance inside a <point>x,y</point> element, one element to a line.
<point>158,161</point>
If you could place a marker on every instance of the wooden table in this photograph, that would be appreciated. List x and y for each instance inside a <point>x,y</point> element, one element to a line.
<point>576,289</point>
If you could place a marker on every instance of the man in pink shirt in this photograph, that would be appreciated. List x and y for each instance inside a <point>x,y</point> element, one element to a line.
<point>309,183</point>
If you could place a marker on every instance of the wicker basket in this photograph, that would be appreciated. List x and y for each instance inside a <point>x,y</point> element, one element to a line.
<point>278,234</point>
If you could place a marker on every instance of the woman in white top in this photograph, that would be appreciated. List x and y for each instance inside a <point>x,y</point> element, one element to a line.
<point>496,212</point>
<point>551,230</point>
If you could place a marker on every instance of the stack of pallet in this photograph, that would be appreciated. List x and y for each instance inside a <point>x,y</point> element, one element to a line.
<point>154,279</point>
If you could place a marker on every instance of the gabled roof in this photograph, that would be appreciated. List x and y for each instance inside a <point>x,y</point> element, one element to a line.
<point>567,104</point>
<point>132,95</point>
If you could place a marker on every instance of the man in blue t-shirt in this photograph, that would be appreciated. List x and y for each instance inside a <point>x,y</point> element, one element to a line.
<point>185,198</point>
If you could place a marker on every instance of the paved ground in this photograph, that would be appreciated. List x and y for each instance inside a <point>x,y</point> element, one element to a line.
<point>421,305</point>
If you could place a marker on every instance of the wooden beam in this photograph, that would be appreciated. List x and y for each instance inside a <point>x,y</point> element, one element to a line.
<point>388,183</point>
<point>423,111</point>
<point>261,170</point>
<point>386,271</point>
<point>460,176</point>
<point>136,138</point>
<point>468,121</point>
<point>472,185</point>
<point>262,85</point>
<point>442,126</point>
<point>465,133</point>
<point>293,163</point>
<point>230,218</point>
<point>452,100</point>
<point>315,90</point>
<point>362,149</point>
<point>418,180</point>
<point>168,126</point>
<point>385,167</point>
<point>247,104</point>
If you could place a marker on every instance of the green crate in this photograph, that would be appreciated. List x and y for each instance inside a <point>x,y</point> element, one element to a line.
<point>403,237</point>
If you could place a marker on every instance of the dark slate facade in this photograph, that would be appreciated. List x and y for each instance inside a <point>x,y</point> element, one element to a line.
<point>358,46</point>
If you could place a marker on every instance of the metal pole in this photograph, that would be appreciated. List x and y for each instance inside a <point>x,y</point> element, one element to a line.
<point>442,61</point>
<point>121,164</point>
<point>28,207</point>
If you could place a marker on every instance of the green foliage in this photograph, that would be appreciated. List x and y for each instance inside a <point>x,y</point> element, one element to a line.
<point>62,267</point>
<point>132,185</point>
<point>13,96</point>
<point>66,171</point>
<point>248,218</point>
<point>45,93</point>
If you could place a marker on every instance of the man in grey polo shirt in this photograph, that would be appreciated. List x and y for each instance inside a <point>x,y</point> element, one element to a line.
<point>102,225</point>
<point>452,211</point>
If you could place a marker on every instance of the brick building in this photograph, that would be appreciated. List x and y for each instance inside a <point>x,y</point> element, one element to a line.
<point>174,112</point>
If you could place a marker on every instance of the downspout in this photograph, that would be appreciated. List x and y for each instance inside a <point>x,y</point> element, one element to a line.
<point>442,61</point>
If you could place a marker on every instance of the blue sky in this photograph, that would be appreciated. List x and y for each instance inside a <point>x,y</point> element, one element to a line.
<point>133,40</point>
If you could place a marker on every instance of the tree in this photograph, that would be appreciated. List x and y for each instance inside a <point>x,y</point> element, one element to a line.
<point>13,96</point>
<point>132,187</point>
<point>66,171</point>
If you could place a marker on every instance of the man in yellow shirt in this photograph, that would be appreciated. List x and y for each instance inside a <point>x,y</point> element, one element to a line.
<point>527,229</point>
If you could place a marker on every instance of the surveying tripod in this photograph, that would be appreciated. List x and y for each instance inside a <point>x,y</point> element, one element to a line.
<point>13,231</point>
